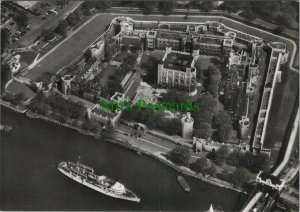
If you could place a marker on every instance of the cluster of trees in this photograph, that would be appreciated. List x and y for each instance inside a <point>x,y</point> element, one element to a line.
<point>284,13</point>
<point>179,155</point>
<point>87,6</point>
<point>238,177</point>
<point>175,96</point>
<point>14,99</point>
<point>5,75</point>
<point>63,25</point>
<point>114,81</point>
<point>58,105</point>
<point>91,125</point>
<point>21,19</point>
<point>214,78</point>
<point>153,120</point>
<point>203,165</point>
<point>254,163</point>
<point>5,35</point>
<point>222,124</point>
<point>109,50</point>
<point>151,70</point>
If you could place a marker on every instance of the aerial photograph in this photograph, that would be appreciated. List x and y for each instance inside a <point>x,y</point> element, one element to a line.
<point>154,105</point>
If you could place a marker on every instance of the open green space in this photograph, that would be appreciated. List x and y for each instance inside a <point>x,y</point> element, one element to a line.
<point>283,101</point>
<point>72,47</point>
<point>26,58</point>
<point>16,87</point>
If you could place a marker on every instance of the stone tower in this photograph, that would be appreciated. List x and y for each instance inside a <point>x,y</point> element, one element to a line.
<point>187,123</point>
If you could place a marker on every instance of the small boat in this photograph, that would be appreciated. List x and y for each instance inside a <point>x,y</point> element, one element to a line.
<point>183,184</point>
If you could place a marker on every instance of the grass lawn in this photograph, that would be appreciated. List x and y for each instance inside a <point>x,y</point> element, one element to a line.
<point>26,58</point>
<point>281,109</point>
<point>15,87</point>
<point>71,48</point>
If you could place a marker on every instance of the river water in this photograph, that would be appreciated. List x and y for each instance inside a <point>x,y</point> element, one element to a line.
<point>31,181</point>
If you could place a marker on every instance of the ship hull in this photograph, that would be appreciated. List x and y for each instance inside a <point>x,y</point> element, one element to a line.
<point>82,181</point>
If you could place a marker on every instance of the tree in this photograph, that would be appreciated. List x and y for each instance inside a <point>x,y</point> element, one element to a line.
<point>212,171</point>
<point>203,131</point>
<point>107,51</point>
<point>234,158</point>
<point>72,19</point>
<point>200,165</point>
<point>79,14</point>
<point>261,162</point>
<point>214,74</point>
<point>5,75</point>
<point>48,34</point>
<point>179,155</point>
<point>151,70</point>
<point>175,96</point>
<point>206,6</point>
<point>61,3</point>
<point>209,107</point>
<point>278,30</point>
<point>21,19</point>
<point>88,5</point>
<point>103,5</point>
<point>62,26</point>
<point>224,127</point>
<point>222,154</point>
<point>5,35</point>
<point>213,88</point>
<point>147,6</point>
<point>166,7</point>
<point>240,176</point>
<point>117,28</point>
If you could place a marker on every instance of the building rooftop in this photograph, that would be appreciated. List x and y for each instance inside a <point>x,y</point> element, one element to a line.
<point>130,40</point>
<point>210,40</point>
<point>126,78</point>
<point>274,180</point>
<point>169,35</point>
<point>178,61</point>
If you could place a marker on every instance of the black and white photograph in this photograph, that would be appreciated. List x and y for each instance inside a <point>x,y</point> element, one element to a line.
<point>149,105</point>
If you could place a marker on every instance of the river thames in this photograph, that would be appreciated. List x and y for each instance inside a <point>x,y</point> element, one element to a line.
<point>30,179</point>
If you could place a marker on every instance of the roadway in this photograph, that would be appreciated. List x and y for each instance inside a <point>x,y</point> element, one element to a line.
<point>148,142</point>
<point>37,24</point>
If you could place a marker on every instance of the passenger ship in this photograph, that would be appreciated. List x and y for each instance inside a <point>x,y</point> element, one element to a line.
<point>85,175</point>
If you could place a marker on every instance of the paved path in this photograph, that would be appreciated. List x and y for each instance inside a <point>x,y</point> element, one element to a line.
<point>152,144</point>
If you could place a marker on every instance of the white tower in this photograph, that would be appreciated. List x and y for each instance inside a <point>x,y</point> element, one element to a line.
<point>187,123</point>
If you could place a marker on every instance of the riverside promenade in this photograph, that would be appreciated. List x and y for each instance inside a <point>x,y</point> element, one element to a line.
<point>148,147</point>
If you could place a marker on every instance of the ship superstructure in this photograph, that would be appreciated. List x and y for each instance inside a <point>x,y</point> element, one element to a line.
<point>85,175</point>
